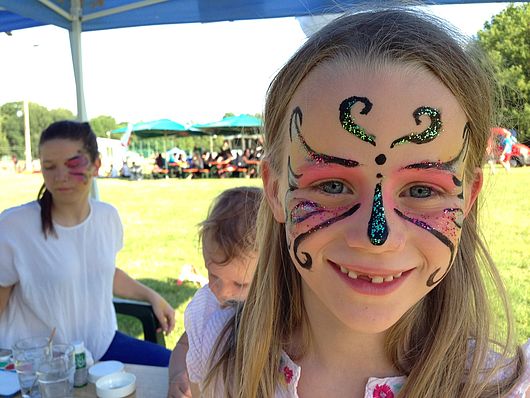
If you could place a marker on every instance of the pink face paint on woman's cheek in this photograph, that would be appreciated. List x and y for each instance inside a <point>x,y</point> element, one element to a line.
<point>445,226</point>
<point>78,168</point>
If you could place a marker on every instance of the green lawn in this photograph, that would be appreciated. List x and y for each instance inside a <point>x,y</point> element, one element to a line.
<point>160,220</point>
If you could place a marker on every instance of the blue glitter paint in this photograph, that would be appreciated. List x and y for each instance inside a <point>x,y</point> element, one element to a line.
<point>378,227</point>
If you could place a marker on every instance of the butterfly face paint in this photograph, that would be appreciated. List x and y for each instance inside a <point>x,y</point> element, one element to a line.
<point>66,169</point>
<point>373,192</point>
<point>79,168</point>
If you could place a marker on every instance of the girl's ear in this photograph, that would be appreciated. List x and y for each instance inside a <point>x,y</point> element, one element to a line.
<point>97,165</point>
<point>271,188</point>
<point>474,190</point>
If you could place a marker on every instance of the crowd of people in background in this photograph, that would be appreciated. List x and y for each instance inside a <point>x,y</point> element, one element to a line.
<point>227,162</point>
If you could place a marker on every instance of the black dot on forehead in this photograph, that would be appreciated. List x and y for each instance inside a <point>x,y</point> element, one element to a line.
<point>379,175</point>
<point>380,159</point>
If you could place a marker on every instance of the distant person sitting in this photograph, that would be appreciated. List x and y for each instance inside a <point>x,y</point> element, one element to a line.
<point>225,155</point>
<point>160,161</point>
<point>125,171</point>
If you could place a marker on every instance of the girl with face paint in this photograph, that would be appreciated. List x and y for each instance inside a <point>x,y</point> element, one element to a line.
<point>58,258</point>
<point>371,280</point>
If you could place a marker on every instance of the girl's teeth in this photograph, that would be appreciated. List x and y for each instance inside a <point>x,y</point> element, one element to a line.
<point>373,279</point>
<point>352,275</point>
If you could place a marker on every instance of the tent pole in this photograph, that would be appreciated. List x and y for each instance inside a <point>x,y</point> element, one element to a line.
<point>77,62</point>
<point>75,47</point>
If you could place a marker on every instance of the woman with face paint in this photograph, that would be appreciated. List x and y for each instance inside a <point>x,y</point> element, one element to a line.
<point>371,279</point>
<point>58,255</point>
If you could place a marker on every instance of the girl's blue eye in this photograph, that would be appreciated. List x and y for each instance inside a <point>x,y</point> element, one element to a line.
<point>333,187</point>
<point>420,191</point>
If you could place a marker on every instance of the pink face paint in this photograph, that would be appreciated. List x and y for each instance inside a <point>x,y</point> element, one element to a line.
<point>308,217</point>
<point>445,227</point>
<point>79,167</point>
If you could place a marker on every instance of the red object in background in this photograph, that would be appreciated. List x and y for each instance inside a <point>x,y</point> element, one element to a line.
<point>520,155</point>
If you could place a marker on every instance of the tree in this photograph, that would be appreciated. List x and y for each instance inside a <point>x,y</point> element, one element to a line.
<point>102,124</point>
<point>506,39</point>
<point>12,114</point>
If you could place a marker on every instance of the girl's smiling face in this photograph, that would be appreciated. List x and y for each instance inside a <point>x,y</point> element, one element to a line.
<point>373,194</point>
<point>67,169</point>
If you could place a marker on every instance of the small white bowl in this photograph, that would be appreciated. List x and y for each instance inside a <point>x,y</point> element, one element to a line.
<point>100,369</point>
<point>116,385</point>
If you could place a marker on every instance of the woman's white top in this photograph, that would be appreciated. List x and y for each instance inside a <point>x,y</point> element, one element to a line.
<point>63,282</point>
<point>204,321</point>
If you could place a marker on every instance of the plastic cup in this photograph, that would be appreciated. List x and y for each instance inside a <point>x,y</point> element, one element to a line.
<point>28,354</point>
<point>56,375</point>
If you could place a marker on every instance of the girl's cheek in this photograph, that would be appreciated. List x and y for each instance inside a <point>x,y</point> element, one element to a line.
<point>445,223</point>
<point>305,214</point>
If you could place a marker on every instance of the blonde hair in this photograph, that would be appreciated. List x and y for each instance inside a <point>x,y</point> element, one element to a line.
<point>442,343</point>
<point>230,224</point>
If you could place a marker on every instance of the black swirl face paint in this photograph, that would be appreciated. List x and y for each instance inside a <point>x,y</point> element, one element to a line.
<point>348,122</point>
<point>308,261</point>
<point>306,216</point>
<point>427,135</point>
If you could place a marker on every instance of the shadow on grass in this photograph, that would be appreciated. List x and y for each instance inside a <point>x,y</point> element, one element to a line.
<point>176,295</point>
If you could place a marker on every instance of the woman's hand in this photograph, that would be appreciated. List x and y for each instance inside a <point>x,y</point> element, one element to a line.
<point>163,311</point>
<point>125,286</point>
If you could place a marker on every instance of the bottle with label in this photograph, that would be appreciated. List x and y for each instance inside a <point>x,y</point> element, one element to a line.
<point>81,371</point>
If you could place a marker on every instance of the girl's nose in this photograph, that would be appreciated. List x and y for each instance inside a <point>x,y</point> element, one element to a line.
<point>376,228</point>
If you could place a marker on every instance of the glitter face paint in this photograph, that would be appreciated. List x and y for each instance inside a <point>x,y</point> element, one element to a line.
<point>348,122</point>
<point>450,222</point>
<point>377,226</point>
<point>346,277</point>
<point>427,135</point>
<point>78,168</point>
<point>316,210</point>
<point>307,217</point>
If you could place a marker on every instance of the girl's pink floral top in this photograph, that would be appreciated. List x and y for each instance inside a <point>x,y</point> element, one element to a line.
<point>204,320</point>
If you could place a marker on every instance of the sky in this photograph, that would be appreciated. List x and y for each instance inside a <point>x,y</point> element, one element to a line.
<point>191,73</point>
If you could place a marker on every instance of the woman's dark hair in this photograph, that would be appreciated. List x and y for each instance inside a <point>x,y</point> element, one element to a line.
<point>63,130</point>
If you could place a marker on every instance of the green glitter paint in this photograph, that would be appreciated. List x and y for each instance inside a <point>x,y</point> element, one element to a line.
<point>348,122</point>
<point>427,135</point>
<point>378,227</point>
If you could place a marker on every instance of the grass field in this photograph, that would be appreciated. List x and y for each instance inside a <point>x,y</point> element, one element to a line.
<point>160,220</point>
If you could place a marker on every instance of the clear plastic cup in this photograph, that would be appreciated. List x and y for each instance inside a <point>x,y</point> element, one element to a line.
<point>28,354</point>
<point>56,375</point>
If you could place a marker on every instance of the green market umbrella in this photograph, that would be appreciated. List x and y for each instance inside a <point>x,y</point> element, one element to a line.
<point>242,124</point>
<point>159,128</point>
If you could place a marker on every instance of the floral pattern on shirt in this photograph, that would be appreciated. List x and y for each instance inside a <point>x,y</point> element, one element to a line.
<point>384,388</point>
